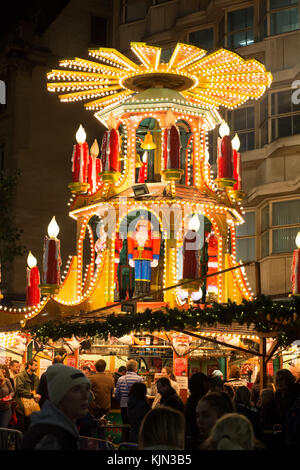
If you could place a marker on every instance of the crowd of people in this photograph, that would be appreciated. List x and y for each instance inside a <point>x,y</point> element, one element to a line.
<point>217,415</point>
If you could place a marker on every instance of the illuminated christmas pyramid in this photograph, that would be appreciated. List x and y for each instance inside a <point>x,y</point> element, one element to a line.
<point>150,214</point>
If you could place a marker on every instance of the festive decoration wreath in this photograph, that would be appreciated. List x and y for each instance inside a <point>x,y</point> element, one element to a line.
<point>265,315</point>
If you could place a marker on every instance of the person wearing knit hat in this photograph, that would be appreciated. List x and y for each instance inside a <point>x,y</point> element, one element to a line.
<point>217,373</point>
<point>54,427</point>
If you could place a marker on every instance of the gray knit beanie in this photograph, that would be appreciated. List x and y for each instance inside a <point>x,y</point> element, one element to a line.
<point>61,378</point>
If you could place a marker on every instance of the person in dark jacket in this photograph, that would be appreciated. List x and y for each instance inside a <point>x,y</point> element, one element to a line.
<point>168,395</point>
<point>255,390</point>
<point>137,408</point>
<point>43,388</point>
<point>6,394</point>
<point>287,392</point>
<point>209,409</point>
<point>198,387</point>
<point>244,407</point>
<point>54,427</point>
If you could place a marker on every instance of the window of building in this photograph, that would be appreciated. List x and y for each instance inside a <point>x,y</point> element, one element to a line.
<point>246,238</point>
<point>99,31</point>
<point>278,16</point>
<point>242,122</point>
<point>285,115</point>
<point>240,28</point>
<point>203,38</point>
<point>221,35</point>
<point>135,10</point>
<point>263,121</point>
<point>279,227</point>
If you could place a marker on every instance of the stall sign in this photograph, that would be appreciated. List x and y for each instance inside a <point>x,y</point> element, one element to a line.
<point>181,367</point>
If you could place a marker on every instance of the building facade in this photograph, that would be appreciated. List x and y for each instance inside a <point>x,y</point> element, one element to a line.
<point>37,134</point>
<point>268,129</point>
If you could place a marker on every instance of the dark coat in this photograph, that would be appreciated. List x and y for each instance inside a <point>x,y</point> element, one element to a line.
<point>137,408</point>
<point>191,428</point>
<point>172,400</point>
<point>43,389</point>
<point>253,415</point>
<point>285,402</point>
<point>268,416</point>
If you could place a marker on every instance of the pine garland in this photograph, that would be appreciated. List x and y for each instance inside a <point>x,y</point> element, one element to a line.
<point>263,313</point>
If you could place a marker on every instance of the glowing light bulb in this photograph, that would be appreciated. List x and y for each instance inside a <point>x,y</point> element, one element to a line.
<point>195,296</point>
<point>95,149</point>
<point>224,129</point>
<point>80,135</point>
<point>31,260</point>
<point>298,239</point>
<point>194,223</point>
<point>235,143</point>
<point>53,228</point>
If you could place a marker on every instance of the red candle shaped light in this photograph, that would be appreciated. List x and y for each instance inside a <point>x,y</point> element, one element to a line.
<point>296,267</point>
<point>144,169</point>
<point>171,143</point>
<point>80,157</point>
<point>33,293</point>
<point>110,147</point>
<point>237,169</point>
<point>225,162</point>
<point>94,167</point>
<point>191,250</point>
<point>51,258</point>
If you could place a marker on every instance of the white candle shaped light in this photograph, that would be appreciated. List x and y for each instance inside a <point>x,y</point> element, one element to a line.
<point>80,157</point>
<point>33,294</point>
<point>94,167</point>
<point>51,257</point>
<point>237,170</point>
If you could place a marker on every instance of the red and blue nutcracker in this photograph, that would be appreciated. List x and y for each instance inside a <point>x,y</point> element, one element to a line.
<point>143,254</point>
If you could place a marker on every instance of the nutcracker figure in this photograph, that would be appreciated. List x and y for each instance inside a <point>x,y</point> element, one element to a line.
<point>143,254</point>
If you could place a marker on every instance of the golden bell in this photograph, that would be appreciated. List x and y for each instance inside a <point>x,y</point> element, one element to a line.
<point>148,143</point>
<point>138,162</point>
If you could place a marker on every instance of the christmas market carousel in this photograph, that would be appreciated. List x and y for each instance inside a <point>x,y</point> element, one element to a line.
<point>156,250</point>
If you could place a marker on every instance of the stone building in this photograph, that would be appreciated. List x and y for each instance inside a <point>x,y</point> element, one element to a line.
<point>37,132</point>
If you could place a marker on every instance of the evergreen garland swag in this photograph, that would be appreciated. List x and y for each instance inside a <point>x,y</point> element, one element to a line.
<point>265,314</point>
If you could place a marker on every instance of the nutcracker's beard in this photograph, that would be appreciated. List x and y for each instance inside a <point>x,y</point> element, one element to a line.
<point>141,237</point>
<point>181,348</point>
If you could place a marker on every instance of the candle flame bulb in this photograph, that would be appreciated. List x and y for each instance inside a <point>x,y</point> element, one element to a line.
<point>298,240</point>
<point>80,135</point>
<point>235,143</point>
<point>194,223</point>
<point>53,228</point>
<point>224,129</point>
<point>95,149</point>
<point>170,118</point>
<point>31,260</point>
